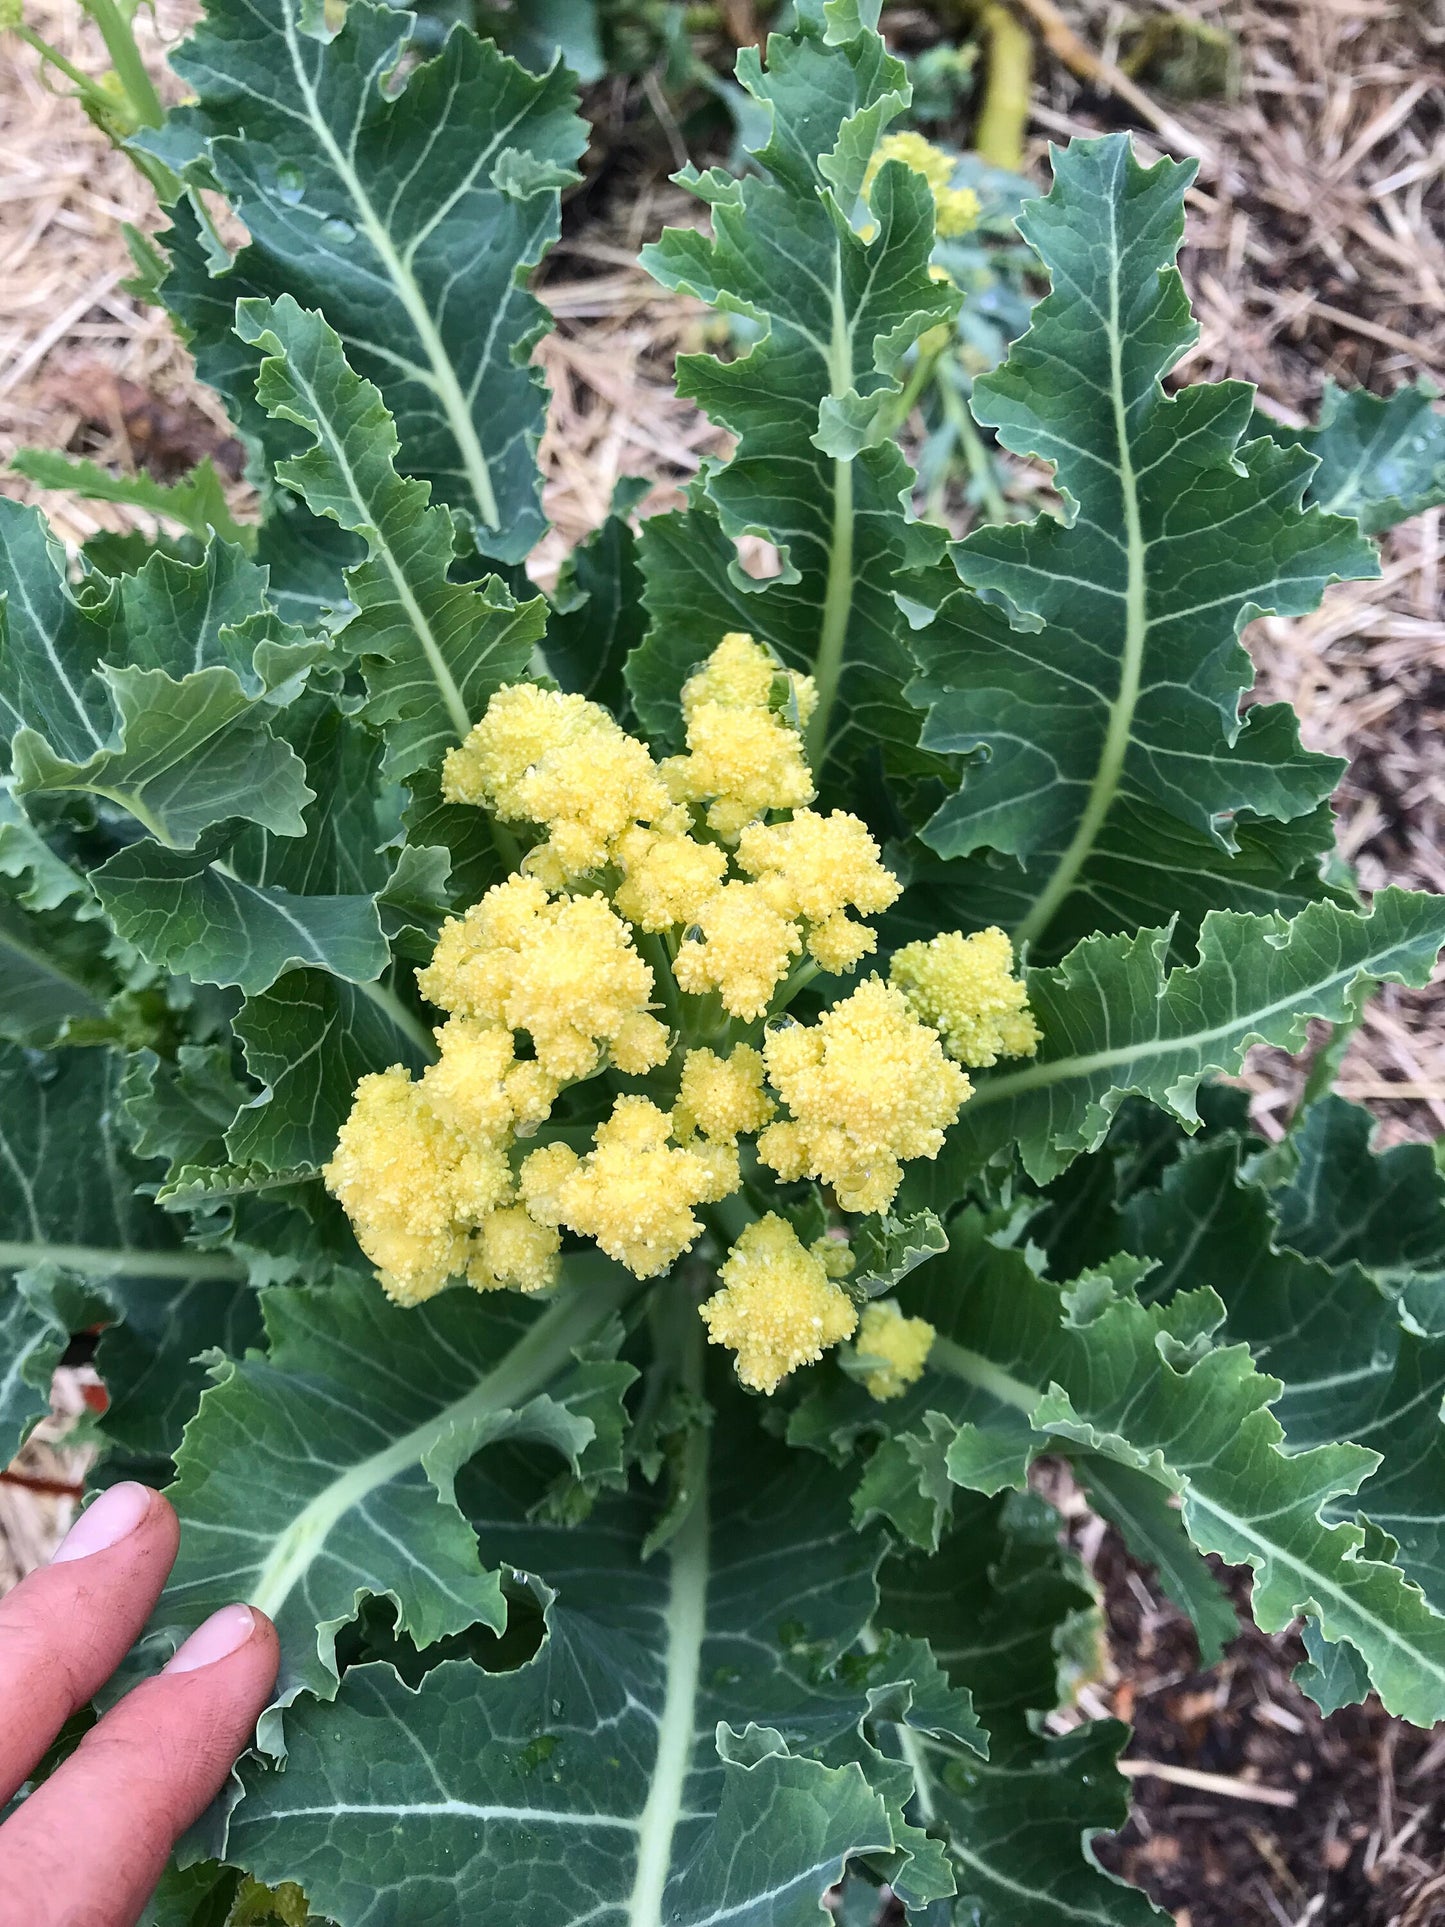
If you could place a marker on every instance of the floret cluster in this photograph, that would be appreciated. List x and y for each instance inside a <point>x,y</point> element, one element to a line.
<point>661,922</point>
<point>955,209</point>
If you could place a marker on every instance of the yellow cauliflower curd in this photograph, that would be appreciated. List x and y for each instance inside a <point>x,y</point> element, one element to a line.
<point>900,1344</point>
<point>867,1086</point>
<point>563,970</point>
<point>965,988</point>
<point>956,209</point>
<point>634,1191</point>
<point>411,1185</point>
<point>778,1308</point>
<point>705,889</point>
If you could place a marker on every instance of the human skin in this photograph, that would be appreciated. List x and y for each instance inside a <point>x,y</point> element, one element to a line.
<point>88,1846</point>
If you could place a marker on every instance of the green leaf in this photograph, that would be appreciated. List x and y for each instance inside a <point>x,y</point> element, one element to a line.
<point>248,908</point>
<point>197,501</point>
<point>1348,1204</point>
<point>80,1245</point>
<point>1334,1674</point>
<point>322,1472</point>
<point>597,618</point>
<point>1381,458</point>
<point>200,919</point>
<point>1022,1365</point>
<point>51,642</point>
<point>809,405</point>
<point>33,1338</point>
<point>53,973</point>
<point>308,1039</point>
<point>409,215</point>
<point>885,1250</point>
<point>179,757</point>
<point>1002,1606</point>
<point>670,1753</point>
<point>1141,860</point>
<point>44,880</point>
<point>1154,1533</point>
<point>1349,1367</point>
<point>1098,666</point>
<point>154,692</point>
<point>1115,1021</point>
<point>433,652</point>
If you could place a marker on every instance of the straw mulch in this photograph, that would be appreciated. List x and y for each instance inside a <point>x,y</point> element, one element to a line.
<point>1317,248</point>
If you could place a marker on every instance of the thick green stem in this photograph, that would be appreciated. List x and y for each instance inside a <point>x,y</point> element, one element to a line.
<point>919,376</point>
<point>837,607</point>
<point>689,1550</point>
<point>956,410</point>
<point>509,848</point>
<point>101,1261</point>
<point>794,984</point>
<point>652,948</point>
<point>86,86</point>
<point>125,58</point>
<point>946,1356</point>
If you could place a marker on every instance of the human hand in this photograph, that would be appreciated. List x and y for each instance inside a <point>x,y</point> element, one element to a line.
<point>88,1846</point>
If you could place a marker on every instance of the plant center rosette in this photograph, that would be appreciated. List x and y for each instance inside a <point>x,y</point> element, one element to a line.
<point>648,949</point>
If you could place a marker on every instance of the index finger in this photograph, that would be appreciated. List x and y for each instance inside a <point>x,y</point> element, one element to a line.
<point>67,1626</point>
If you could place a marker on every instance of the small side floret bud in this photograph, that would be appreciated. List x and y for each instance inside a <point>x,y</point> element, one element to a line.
<point>778,1308</point>
<point>900,1344</point>
<point>965,988</point>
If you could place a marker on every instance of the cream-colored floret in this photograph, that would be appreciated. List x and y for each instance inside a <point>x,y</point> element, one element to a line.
<point>745,760</point>
<point>965,988</point>
<point>778,1308</point>
<point>513,1252</point>
<point>867,1087</point>
<point>562,970</point>
<point>634,1191</point>
<point>466,1086</point>
<point>742,952</point>
<point>742,674</point>
<point>839,944</point>
<point>723,1097</point>
<point>522,725</point>
<point>531,1093</point>
<point>744,757</point>
<point>411,1186</point>
<point>900,1344</point>
<point>641,1044</point>
<point>811,865</point>
<point>817,868</point>
<point>667,877</point>
<point>544,757</point>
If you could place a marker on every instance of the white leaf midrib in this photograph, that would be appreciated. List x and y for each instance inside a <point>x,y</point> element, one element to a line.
<point>686,1614</point>
<point>1119,730</point>
<point>442,378</point>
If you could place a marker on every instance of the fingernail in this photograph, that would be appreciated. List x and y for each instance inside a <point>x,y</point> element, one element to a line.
<point>223,1633</point>
<point>113,1517</point>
